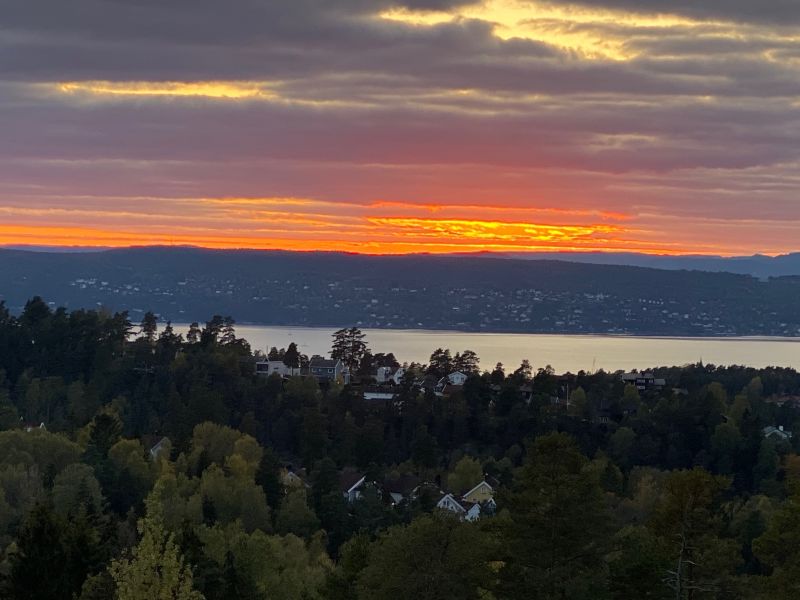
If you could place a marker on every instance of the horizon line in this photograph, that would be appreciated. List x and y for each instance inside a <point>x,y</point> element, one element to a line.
<point>91,249</point>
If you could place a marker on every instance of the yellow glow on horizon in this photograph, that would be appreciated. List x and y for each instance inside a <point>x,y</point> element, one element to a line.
<point>493,231</point>
<point>208,89</point>
<point>487,237</point>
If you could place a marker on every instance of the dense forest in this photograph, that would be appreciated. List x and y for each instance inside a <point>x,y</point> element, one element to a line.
<point>319,289</point>
<point>136,463</point>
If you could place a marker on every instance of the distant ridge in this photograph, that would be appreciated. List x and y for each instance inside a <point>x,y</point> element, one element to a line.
<point>329,289</point>
<point>757,265</point>
<point>55,249</point>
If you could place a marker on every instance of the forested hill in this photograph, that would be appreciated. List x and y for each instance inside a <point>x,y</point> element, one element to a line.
<point>331,289</point>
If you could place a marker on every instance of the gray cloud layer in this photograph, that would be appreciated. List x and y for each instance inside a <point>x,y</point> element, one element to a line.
<point>695,120</point>
<point>781,12</point>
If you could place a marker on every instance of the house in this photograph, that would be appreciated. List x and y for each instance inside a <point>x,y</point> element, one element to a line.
<point>293,480</point>
<point>644,381</point>
<point>401,489</point>
<point>351,484</point>
<point>33,426</point>
<point>163,445</point>
<point>266,368</point>
<point>325,369</point>
<point>483,492</point>
<point>449,502</point>
<point>457,378</point>
<point>474,504</point>
<point>390,375</point>
<point>777,433</point>
<point>379,393</point>
<point>465,510</point>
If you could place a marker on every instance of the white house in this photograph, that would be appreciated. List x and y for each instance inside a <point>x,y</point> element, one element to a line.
<point>457,378</point>
<point>449,502</point>
<point>474,513</point>
<point>778,433</point>
<point>390,374</point>
<point>378,393</point>
<point>467,511</point>
<point>351,484</point>
<point>275,367</point>
<point>159,448</point>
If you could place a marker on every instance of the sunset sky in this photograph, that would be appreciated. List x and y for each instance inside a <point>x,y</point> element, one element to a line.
<point>384,126</point>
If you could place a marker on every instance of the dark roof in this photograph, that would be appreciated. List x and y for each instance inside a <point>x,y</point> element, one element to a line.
<point>402,485</point>
<point>348,478</point>
<point>324,363</point>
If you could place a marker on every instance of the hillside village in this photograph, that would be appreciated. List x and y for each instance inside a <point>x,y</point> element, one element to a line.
<point>433,293</point>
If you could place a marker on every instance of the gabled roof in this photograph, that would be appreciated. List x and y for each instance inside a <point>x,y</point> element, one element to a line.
<point>324,363</point>
<point>458,504</point>
<point>404,484</point>
<point>477,487</point>
<point>779,431</point>
<point>350,480</point>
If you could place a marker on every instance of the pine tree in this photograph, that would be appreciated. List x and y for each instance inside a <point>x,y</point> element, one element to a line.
<point>349,347</point>
<point>38,567</point>
<point>556,536</point>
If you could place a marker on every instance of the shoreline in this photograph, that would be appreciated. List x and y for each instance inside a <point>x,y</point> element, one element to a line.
<point>460,332</point>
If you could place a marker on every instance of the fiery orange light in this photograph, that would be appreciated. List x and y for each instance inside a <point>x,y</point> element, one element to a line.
<point>400,236</point>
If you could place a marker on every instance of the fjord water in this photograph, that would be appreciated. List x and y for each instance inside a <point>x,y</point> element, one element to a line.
<point>563,352</point>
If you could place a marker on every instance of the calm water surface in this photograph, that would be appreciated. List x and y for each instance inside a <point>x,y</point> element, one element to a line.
<point>563,352</point>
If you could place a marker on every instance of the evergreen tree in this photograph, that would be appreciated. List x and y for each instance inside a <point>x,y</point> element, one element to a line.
<point>39,565</point>
<point>433,558</point>
<point>292,357</point>
<point>349,347</point>
<point>149,328</point>
<point>556,535</point>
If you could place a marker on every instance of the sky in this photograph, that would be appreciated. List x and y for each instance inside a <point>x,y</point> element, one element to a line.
<point>393,126</point>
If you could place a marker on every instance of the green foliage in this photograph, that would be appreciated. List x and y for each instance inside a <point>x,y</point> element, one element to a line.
<point>53,557</point>
<point>341,583</point>
<point>638,520</point>
<point>349,347</point>
<point>779,550</point>
<point>295,517</point>
<point>155,569</point>
<point>556,533</point>
<point>76,490</point>
<point>467,473</point>
<point>37,448</point>
<point>274,567</point>
<point>687,518</point>
<point>637,565</point>
<point>434,557</point>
